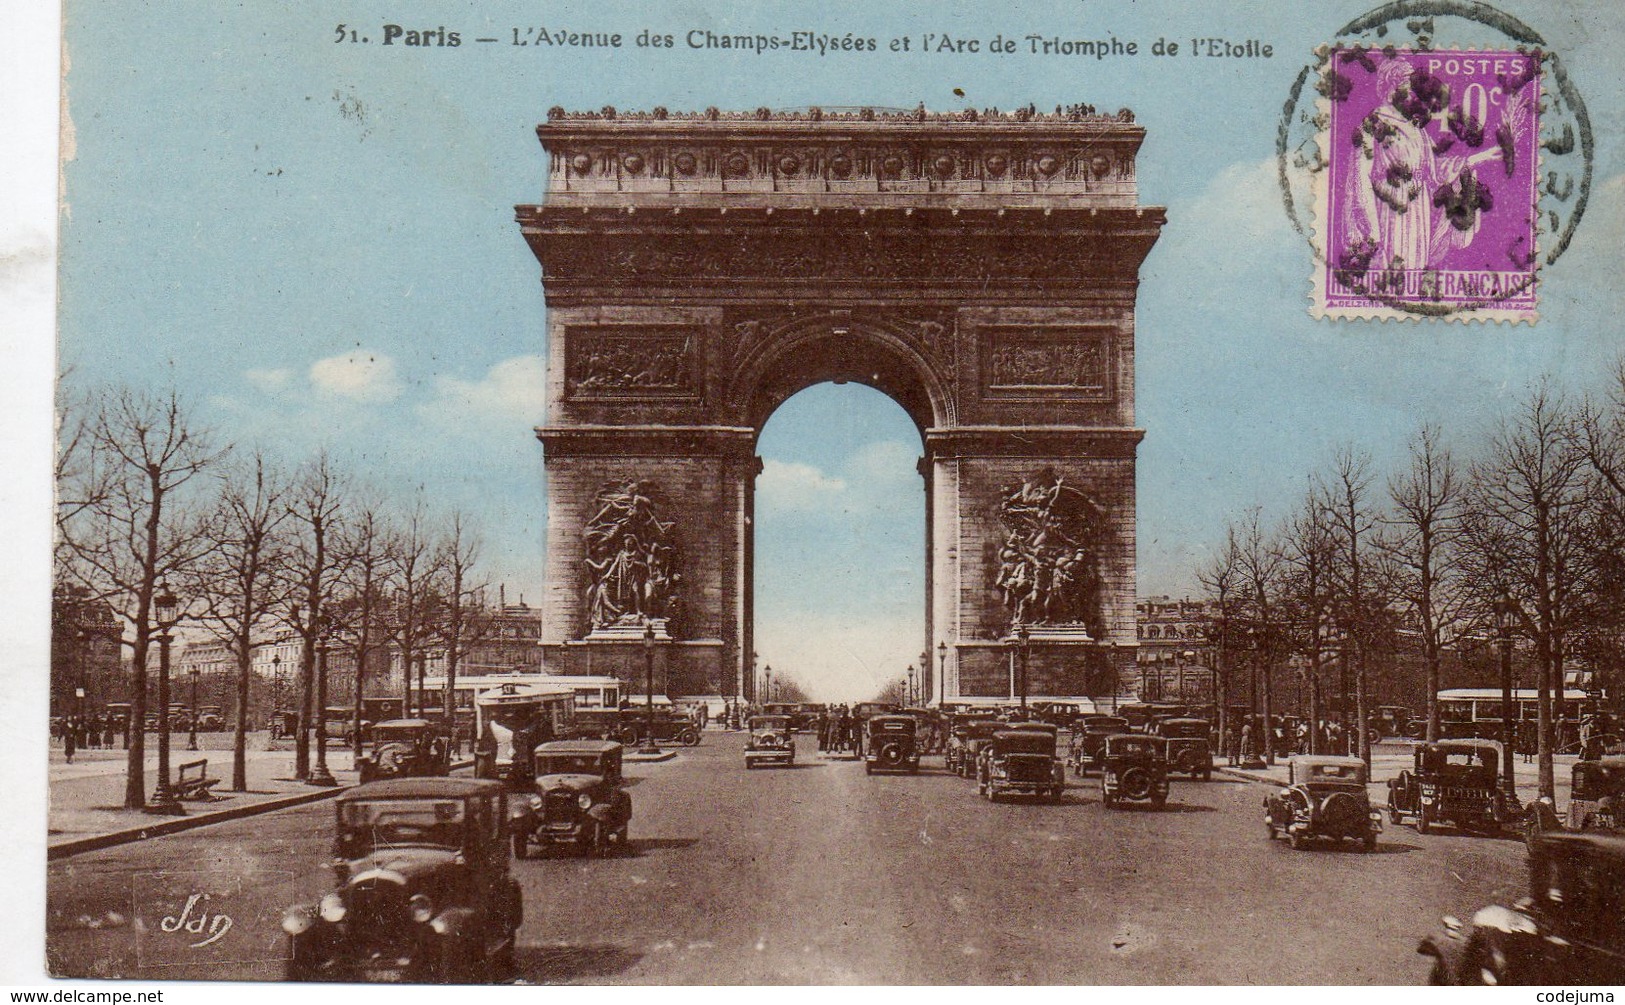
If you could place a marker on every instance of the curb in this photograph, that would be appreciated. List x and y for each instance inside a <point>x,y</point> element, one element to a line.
<point>112,839</point>
<point>1246,776</point>
<point>664,755</point>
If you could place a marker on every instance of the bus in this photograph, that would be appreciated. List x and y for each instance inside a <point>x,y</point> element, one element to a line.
<point>589,691</point>
<point>511,720</point>
<point>1476,712</point>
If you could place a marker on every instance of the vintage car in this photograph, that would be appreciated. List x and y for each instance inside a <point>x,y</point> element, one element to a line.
<point>578,799</point>
<point>596,724</point>
<point>1597,798</point>
<point>1057,713</point>
<point>1190,748</point>
<point>1134,766</point>
<point>424,893</point>
<point>209,719</point>
<point>978,734</point>
<point>1567,932</point>
<point>1394,720</point>
<point>892,744</point>
<point>670,726</point>
<point>404,748</point>
<point>956,756</point>
<point>1020,760</point>
<point>1455,781</point>
<point>1089,738</point>
<point>1324,797</point>
<point>800,718</point>
<point>771,740</point>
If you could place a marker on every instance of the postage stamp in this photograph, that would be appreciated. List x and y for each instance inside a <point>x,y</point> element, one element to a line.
<point>1429,196</point>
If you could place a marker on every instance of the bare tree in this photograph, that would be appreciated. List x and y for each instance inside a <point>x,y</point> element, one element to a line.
<point>240,584</point>
<point>1346,505</point>
<point>415,564</point>
<point>464,621</point>
<point>1311,554</point>
<point>1261,565</point>
<point>134,524</point>
<point>1422,539</point>
<point>1528,526</point>
<point>1601,630</point>
<point>315,505</point>
<point>359,616</point>
<point>1220,577</point>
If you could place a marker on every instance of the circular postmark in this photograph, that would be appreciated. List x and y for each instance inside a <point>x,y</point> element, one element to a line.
<point>1434,157</point>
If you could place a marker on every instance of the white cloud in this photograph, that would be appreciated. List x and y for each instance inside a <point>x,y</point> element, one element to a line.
<point>886,464</point>
<point>793,486</point>
<point>1241,205</point>
<point>515,389</point>
<point>271,380</point>
<point>360,375</point>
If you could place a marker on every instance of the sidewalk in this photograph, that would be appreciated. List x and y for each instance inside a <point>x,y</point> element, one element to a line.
<point>86,797</point>
<point>1388,759</point>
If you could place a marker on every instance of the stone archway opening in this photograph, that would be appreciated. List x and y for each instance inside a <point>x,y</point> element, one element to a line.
<point>838,543</point>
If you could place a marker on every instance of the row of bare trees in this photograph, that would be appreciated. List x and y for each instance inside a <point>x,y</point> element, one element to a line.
<point>150,502</point>
<point>1528,533</point>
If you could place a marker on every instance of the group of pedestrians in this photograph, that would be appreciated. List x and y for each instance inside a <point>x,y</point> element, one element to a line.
<point>88,732</point>
<point>839,731</point>
<point>1243,740</point>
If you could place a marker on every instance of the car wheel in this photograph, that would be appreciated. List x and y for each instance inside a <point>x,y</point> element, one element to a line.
<point>521,845</point>
<point>1393,816</point>
<point>1370,842</point>
<point>1135,783</point>
<point>689,738</point>
<point>1423,823</point>
<point>587,841</point>
<point>1489,964</point>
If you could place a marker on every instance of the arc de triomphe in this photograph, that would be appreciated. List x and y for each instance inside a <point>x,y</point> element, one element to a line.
<point>980,269</point>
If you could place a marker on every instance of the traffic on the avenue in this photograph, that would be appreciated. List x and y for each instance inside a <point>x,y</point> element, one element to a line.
<point>994,843</point>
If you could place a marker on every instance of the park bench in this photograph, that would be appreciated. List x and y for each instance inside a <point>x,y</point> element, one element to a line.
<point>194,782</point>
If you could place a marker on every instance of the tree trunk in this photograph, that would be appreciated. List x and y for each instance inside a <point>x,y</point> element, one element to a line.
<point>239,738</point>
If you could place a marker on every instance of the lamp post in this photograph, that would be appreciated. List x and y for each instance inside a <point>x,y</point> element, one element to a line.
<point>1505,610</point>
<point>942,673</point>
<point>319,774</point>
<point>191,734</point>
<point>648,746</point>
<point>1023,637</point>
<point>922,690</point>
<point>163,801</point>
<point>908,689</point>
<point>767,671</point>
<point>274,726</point>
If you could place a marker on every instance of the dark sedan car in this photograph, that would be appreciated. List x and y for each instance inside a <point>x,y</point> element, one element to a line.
<point>424,893</point>
<point>1569,930</point>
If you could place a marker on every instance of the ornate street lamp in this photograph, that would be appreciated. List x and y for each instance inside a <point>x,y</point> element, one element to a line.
<point>165,612</point>
<point>768,672</point>
<point>942,672</point>
<point>1506,609</point>
<point>319,774</point>
<point>908,690</point>
<point>649,746</point>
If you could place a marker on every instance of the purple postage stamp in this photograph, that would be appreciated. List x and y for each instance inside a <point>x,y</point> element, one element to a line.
<point>1428,203</point>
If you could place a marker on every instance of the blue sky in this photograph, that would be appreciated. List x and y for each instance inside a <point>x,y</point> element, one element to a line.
<point>315,241</point>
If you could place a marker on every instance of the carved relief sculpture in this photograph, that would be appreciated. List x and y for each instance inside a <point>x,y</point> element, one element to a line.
<point>630,363</point>
<point>1044,362</point>
<point>1048,564</point>
<point>631,558</point>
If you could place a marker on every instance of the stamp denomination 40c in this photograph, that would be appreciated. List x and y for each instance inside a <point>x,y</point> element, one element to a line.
<point>1429,194</point>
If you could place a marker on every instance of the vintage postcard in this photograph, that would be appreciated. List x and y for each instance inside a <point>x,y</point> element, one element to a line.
<point>1112,493</point>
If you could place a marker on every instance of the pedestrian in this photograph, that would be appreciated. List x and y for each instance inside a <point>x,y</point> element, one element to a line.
<point>1247,741</point>
<point>70,739</point>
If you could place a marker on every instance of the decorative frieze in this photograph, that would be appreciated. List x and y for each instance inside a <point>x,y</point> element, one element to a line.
<point>1068,361</point>
<point>631,558</point>
<point>1048,572</point>
<point>623,361</point>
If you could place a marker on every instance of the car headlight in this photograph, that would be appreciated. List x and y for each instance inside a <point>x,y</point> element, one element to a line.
<point>584,801</point>
<point>332,907</point>
<point>420,907</point>
<point>297,921</point>
<point>535,801</point>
